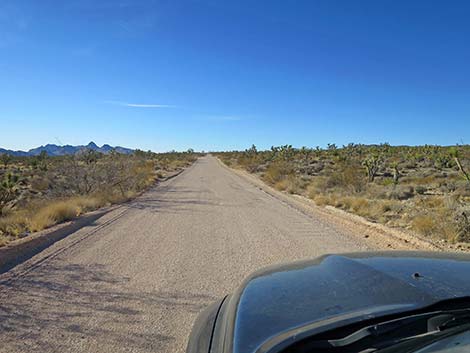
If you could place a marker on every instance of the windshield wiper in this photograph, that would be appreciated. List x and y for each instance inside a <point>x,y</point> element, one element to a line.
<point>418,328</point>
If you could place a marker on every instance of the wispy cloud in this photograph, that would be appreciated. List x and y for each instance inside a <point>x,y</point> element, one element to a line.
<point>140,105</point>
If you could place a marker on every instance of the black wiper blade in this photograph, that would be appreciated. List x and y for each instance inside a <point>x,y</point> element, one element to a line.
<point>380,329</point>
<point>397,330</point>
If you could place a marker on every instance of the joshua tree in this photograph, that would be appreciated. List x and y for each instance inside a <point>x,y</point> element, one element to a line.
<point>6,159</point>
<point>89,156</point>
<point>42,156</point>
<point>8,190</point>
<point>396,172</point>
<point>305,153</point>
<point>454,153</point>
<point>372,165</point>
<point>40,161</point>
<point>252,151</point>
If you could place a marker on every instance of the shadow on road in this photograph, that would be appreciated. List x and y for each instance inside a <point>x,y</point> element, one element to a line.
<point>56,307</point>
<point>14,255</point>
<point>173,200</point>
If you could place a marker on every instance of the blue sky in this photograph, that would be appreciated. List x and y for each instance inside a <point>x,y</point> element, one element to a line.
<point>217,75</point>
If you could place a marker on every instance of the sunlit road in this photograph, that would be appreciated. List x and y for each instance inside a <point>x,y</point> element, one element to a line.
<point>135,280</point>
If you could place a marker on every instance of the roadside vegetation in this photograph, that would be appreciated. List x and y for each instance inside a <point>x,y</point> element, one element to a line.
<point>38,192</point>
<point>424,189</point>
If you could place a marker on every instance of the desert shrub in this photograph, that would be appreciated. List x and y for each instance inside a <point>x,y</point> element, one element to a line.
<point>250,161</point>
<point>377,192</point>
<point>359,204</point>
<point>277,171</point>
<point>424,224</point>
<point>387,182</point>
<point>88,173</point>
<point>367,208</point>
<point>451,203</point>
<point>292,184</point>
<point>401,192</point>
<point>323,200</point>
<point>281,185</point>
<point>348,177</point>
<point>318,185</point>
<point>430,202</point>
<point>440,222</point>
<point>447,187</point>
<point>386,207</point>
<point>462,227</point>
<point>420,190</point>
<point>40,183</point>
<point>462,191</point>
<point>313,168</point>
<point>312,191</point>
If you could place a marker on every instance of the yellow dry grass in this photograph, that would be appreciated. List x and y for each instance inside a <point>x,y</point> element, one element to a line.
<point>424,224</point>
<point>46,214</point>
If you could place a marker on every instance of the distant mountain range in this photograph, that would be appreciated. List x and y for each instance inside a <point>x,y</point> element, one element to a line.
<point>55,150</point>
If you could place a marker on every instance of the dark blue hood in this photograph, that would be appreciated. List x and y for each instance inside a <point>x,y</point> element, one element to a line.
<point>276,305</point>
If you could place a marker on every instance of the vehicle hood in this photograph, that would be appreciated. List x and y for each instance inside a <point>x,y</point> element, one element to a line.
<point>273,306</point>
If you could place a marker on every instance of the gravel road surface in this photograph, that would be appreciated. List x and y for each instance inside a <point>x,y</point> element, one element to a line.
<point>135,280</point>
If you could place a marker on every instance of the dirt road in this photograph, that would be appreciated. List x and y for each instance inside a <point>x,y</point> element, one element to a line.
<point>135,280</point>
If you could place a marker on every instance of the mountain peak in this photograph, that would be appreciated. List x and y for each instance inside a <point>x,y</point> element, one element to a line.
<point>92,145</point>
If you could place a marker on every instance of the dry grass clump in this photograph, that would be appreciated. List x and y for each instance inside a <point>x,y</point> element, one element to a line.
<point>436,225</point>
<point>390,206</point>
<point>442,218</point>
<point>360,205</point>
<point>277,172</point>
<point>39,184</point>
<point>3,240</point>
<point>13,224</point>
<point>424,224</point>
<point>42,215</point>
<point>292,184</point>
<point>319,185</point>
<point>64,210</point>
<point>52,214</point>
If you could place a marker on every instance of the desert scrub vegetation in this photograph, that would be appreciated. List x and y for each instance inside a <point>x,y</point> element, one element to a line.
<point>41,191</point>
<point>425,189</point>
